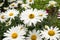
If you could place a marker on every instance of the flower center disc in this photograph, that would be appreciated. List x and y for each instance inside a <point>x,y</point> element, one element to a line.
<point>33,37</point>
<point>2,17</point>
<point>30,0</point>
<point>12,5</point>
<point>11,14</point>
<point>31,16</point>
<point>14,35</point>
<point>51,32</point>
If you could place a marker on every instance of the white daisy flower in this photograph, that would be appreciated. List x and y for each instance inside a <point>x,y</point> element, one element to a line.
<point>30,16</point>
<point>26,6</point>
<point>13,5</point>
<point>29,1</point>
<point>11,0</point>
<point>11,13</point>
<point>51,33</point>
<point>14,34</point>
<point>22,28</point>
<point>3,17</point>
<point>52,3</point>
<point>42,14</point>
<point>34,35</point>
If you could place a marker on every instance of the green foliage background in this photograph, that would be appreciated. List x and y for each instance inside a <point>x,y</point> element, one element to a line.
<point>39,4</point>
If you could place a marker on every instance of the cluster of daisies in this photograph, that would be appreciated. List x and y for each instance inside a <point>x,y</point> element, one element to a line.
<point>19,32</point>
<point>29,17</point>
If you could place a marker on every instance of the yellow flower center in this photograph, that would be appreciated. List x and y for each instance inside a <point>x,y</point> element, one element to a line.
<point>12,4</point>
<point>41,15</point>
<point>2,16</point>
<point>11,14</point>
<point>30,0</point>
<point>14,35</point>
<point>31,16</point>
<point>51,32</point>
<point>33,37</point>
